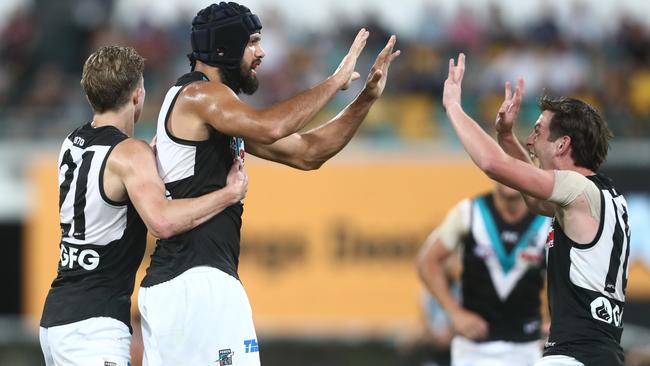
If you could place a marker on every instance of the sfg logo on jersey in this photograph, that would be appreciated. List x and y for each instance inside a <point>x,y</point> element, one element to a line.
<point>87,259</point>
<point>601,309</point>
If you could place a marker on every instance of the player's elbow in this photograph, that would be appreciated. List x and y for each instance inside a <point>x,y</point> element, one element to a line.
<point>426,265</point>
<point>492,167</point>
<point>420,265</point>
<point>164,233</point>
<point>311,164</point>
<point>270,135</point>
<point>161,228</point>
<point>270,131</point>
<point>303,164</point>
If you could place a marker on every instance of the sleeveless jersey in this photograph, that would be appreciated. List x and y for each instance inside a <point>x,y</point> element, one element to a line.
<point>502,272</point>
<point>102,241</point>
<point>587,285</point>
<point>190,169</point>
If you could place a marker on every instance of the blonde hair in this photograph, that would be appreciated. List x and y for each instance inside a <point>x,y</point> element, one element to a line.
<point>110,75</point>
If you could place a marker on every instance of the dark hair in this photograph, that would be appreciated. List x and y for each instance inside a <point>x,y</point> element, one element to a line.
<point>110,75</point>
<point>581,122</point>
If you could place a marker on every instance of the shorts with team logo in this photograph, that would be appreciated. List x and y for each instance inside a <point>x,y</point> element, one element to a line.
<point>201,317</point>
<point>558,361</point>
<point>465,352</point>
<point>92,342</point>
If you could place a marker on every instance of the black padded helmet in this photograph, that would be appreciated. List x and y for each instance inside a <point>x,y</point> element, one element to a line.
<point>220,32</point>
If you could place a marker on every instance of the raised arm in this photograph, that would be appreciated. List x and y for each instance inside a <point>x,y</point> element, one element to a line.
<point>506,118</point>
<point>484,151</point>
<point>220,107</point>
<point>311,149</point>
<point>133,164</point>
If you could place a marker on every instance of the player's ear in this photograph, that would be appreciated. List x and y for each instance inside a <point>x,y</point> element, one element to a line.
<point>138,96</point>
<point>562,144</point>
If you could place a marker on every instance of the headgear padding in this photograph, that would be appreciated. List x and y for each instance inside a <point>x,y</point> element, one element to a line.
<point>220,34</point>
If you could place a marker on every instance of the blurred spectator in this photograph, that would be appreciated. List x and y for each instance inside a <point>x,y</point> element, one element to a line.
<point>608,64</point>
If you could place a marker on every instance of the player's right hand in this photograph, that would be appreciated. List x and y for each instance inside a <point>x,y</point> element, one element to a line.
<point>452,89</point>
<point>237,180</point>
<point>509,110</point>
<point>469,324</point>
<point>345,73</point>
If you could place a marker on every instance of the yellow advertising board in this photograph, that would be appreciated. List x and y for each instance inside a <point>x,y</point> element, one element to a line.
<point>324,252</point>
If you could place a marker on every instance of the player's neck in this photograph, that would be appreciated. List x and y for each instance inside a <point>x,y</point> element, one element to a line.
<point>122,119</point>
<point>511,209</point>
<point>568,164</point>
<point>210,71</point>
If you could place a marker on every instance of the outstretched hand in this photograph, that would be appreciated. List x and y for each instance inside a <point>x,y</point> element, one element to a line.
<point>509,110</point>
<point>345,73</point>
<point>452,90</point>
<point>376,81</point>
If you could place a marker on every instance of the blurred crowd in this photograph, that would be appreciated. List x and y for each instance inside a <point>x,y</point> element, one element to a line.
<point>43,46</point>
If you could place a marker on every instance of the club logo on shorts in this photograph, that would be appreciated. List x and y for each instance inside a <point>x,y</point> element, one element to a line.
<point>225,357</point>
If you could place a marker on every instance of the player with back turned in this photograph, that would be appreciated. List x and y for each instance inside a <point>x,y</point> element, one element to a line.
<point>109,195</point>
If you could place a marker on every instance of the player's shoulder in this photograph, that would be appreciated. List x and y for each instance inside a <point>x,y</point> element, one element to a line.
<point>128,154</point>
<point>462,207</point>
<point>465,205</point>
<point>571,175</point>
<point>202,91</point>
<point>132,145</point>
<point>461,211</point>
<point>572,180</point>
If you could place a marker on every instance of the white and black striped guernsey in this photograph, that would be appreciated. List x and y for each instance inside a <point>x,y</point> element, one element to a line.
<point>102,241</point>
<point>587,285</point>
<point>190,169</point>
<point>502,274</point>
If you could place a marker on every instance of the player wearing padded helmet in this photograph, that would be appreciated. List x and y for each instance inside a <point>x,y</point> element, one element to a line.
<point>194,309</point>
<point>220,34</point>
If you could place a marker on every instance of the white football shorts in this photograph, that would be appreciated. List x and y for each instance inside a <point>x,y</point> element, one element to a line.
<point>465,352</point>
<point>558,361</point>
<point>201,317</point>
<point>97,341</point>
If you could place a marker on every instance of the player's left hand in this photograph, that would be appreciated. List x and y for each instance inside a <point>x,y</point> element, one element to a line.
<point>452,90</point>
<point>509,110</point>
<point>376,81</point>
<point>345,73</point>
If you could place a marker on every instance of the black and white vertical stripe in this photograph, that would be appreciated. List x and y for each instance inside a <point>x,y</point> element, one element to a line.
<point>86,215</point>
<point>602,266</point>
<point>176,158</point>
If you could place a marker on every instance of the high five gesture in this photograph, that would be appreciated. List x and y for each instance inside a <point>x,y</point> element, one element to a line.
<point>376,81</point>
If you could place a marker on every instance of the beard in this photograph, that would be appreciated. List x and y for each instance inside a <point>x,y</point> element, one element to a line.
<point>249,84</point>
<point>240,81</point>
